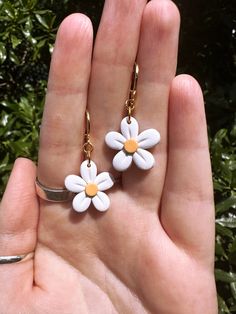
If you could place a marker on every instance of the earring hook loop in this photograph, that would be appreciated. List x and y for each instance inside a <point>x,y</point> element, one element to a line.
<point>134,81</point>
<point>88,123</point>
<point>88,146</point>
<point>130,102</point>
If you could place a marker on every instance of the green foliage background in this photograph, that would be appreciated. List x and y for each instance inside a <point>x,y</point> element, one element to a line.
<point>207,51</point>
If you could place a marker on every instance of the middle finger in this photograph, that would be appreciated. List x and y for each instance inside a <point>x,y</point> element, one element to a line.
<point>114,55</point>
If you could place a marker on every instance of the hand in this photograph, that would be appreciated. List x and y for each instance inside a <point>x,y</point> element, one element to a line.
<point>153,251</point>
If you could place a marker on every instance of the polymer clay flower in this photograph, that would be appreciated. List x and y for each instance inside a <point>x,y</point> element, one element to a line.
<point>132,145</point>
<point>89,187</point>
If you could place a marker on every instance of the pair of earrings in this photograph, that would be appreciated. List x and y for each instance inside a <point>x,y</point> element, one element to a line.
<point>132,146</point>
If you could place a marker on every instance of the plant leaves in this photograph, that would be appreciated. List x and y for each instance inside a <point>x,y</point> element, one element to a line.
<point>3,53</point>
<point>222,307</point>
<point>14,58</point>
<point>223,276</point>
<point>229,222</point>
<point>42,20</point>
<point>15,41</point>
<point>224,231</point>
<point>226,204</point>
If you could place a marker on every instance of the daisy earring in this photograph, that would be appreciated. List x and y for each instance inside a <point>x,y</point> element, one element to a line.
<point>89,187</point>
<point>131,144</point>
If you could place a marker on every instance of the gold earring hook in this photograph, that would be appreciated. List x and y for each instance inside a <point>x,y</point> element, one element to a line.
<point>88,146</point>
<point>130,102</point>
<point>87,128</point>
<point>134,81</point>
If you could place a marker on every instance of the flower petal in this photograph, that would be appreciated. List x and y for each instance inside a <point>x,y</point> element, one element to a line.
<point>122,161</point>
<point>115,140</point>
<point>148,138</point>
<point>88,173</point>
<point>104,181</point>
<point>129,130</point>
<point>75,183</point>
<point>81,202</point>
<point>143,159</point>
<point>101,201</point>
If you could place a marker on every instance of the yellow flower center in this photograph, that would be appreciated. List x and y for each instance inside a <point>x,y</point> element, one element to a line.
<point>131,146</point>
<point>91,189</point>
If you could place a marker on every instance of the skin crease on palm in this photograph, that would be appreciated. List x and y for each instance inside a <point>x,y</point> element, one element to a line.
<point>153,251</point>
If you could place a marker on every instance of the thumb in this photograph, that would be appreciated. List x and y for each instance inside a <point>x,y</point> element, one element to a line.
<point>18,226</point>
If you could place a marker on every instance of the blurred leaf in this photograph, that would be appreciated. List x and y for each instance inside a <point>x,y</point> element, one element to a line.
<point>13,57</point>
<point>233,289</point>
<point>224,231</point>
<point>217,141</point>
<point>41,43</point>
<point>15,41</point>
<point>42,20</point>
<point>3,53</point>
<point>223,309</point>
<point>4,163</point>
<point>229,222</point>
<point>219,250</point>
<point>226,204</point>
<point>9,10</point>
<point>221,275</point>
<point>219,185</point>
<point>232,246</point>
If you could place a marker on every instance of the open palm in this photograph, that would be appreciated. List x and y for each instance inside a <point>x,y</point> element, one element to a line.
<point>152,251</point>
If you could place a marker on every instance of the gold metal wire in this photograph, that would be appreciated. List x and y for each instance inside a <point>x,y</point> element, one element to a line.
<point>88,146</point>
<point>130,102</point>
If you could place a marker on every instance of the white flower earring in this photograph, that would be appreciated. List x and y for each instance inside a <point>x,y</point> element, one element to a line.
<point>89,186</point>
<point>132,146</point>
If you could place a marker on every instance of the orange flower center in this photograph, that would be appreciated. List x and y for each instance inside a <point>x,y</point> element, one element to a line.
<point>91,189</point>
<point>131,146</point>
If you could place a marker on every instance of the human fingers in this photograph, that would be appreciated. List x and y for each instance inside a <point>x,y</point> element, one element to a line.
<point>187,205</point>
<point>18,229</point>
<point>157,59</point>
<point>114,55</point>
<point>62,129</point>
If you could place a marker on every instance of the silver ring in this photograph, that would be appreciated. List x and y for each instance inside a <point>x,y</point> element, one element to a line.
<point>15,258</point>
<point>53,195</point>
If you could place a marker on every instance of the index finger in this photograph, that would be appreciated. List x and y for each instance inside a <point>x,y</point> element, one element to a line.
<point>61,136</point>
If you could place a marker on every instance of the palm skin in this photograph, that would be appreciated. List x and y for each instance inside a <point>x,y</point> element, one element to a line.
<point>153,251</point>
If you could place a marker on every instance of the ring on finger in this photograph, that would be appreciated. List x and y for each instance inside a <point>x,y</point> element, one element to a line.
<point>10,259</point>
<point>53,194</point>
